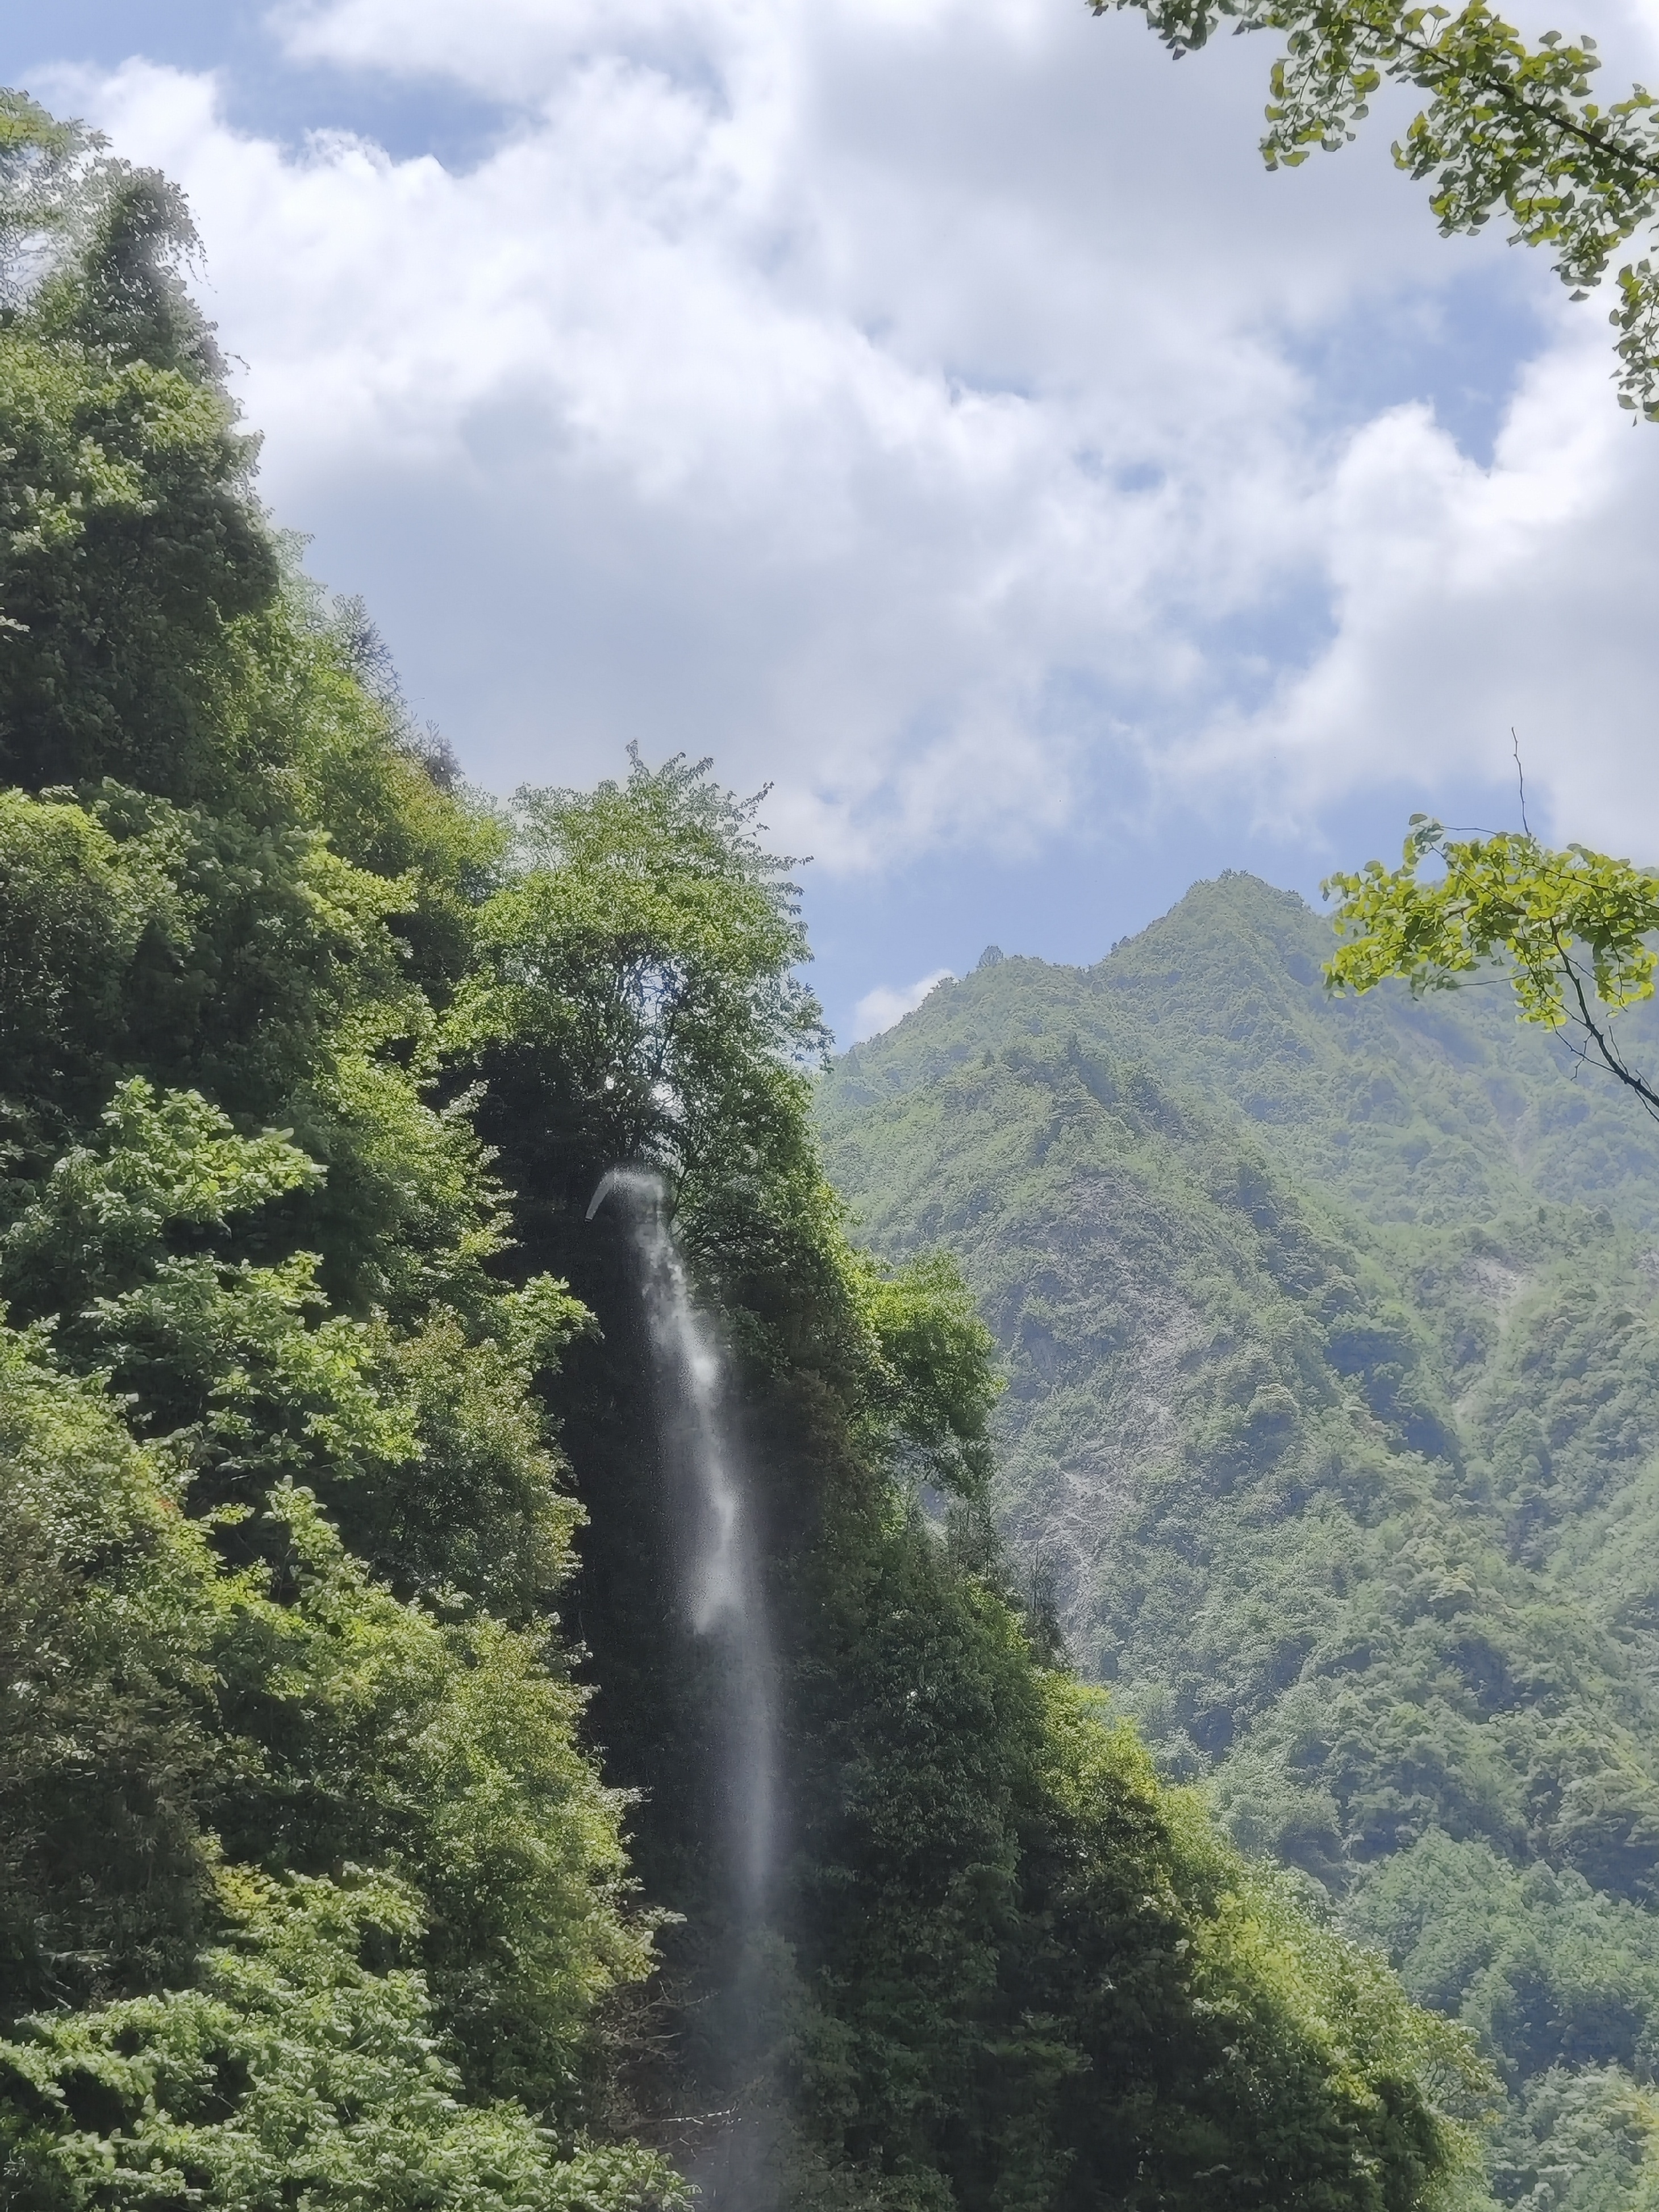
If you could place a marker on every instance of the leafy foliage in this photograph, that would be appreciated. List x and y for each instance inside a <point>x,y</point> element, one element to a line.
<point>284,1519</point>
<point>1507,125</point>
<point>103,1760</point>
<point>640,970</point>
<point>936,1382</point>
<point>1570,928</point>
<point>292,2069</point>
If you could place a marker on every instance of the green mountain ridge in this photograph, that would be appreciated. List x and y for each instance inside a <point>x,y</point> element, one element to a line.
<point>1332,1375</point>
<point>1425,1110</point>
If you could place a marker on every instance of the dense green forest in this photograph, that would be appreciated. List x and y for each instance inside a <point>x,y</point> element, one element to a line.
<point>1330,1438</point>
<point>360,1842</point>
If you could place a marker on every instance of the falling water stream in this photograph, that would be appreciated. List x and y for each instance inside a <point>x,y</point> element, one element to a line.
<point>716,1561</point>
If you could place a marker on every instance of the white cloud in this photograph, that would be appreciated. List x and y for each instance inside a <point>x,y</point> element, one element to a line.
<point>1471,603</point>
<point>906,401</point>
<point>879,1009</point>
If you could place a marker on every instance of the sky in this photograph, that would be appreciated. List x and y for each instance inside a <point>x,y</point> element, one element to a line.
<point>930,408</point>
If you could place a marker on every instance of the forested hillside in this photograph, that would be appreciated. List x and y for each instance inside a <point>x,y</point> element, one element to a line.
<point>362,1838</point>
<point>1331,1429</point>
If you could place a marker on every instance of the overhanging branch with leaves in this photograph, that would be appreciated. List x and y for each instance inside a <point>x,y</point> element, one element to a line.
<point>1508,126</point>
<point>1568,929</point>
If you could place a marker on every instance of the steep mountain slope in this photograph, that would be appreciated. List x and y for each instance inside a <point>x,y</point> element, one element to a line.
<point>1434,1111</point>
<point>1333,1391</point>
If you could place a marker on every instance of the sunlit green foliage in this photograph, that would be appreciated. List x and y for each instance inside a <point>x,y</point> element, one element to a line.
<point>299,1713</point>
<point>41,158</point>
<point>977,2004</point>
<point>639,967</point>
<point>103,1756</point>
<point>283,1519</point>
<point>130,548</point>
<point>1570,930</point>
<point>936,1381</point>
<point>291,2072</point>
<point>1114,2006</point>
<point>1508,127</point>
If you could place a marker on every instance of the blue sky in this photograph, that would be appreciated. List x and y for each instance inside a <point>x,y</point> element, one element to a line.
<point>927,407</point>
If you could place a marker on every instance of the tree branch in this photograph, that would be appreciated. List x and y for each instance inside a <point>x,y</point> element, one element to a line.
<point>1614,1062</point>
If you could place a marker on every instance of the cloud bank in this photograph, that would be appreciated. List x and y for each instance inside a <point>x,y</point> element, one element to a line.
<point>878,1010</point>
<point>931,408</point>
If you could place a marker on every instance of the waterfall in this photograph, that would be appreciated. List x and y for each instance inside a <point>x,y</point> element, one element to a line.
<point>716,1562</point>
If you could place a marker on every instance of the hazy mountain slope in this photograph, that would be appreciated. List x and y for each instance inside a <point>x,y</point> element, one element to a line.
<point>1441,1111</point>
<point>1336,1427</point>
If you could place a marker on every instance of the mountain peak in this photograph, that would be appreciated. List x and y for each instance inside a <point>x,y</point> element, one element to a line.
<point>1433,1110</point>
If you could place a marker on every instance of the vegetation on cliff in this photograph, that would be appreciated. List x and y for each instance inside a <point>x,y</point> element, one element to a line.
<point>354,1827</point>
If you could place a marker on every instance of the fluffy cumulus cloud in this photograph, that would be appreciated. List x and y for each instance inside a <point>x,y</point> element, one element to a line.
<point>879,1009</point>
<point>926,405</point>
<point>1478,609</point>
